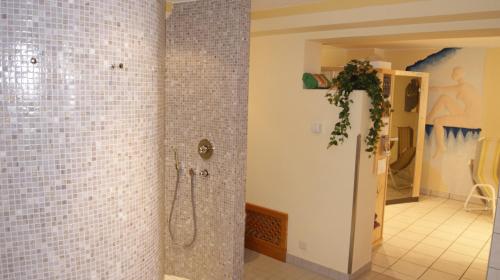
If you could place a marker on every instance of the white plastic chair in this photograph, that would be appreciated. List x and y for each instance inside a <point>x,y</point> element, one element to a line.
<point>485,173</point>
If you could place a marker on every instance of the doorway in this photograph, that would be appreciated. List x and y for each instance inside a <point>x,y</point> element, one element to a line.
<point>407,119</point>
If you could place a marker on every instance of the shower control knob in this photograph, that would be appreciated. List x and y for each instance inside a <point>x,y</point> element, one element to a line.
<point>204,173</point>
<point>205,149</point>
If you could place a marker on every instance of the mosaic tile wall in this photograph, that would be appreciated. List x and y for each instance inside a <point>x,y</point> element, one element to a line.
<point>207,89</point>
<point>80,167</point>
<point>494,260</point>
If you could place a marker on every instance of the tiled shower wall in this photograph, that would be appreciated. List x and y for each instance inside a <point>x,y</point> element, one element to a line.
<point>207,88</point>
<point>80,142</point>
<point>494,261</point>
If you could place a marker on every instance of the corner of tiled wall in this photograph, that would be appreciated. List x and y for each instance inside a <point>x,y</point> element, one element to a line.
<point>494,260</point>
<point>206,97</point>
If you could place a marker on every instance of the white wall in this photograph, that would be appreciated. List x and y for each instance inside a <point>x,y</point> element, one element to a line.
<point>289,168</point>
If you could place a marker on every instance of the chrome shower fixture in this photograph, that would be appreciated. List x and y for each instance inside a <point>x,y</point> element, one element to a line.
<point>205,149</point>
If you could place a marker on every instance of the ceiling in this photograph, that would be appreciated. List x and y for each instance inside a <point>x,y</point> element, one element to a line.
<point>478,42</point>
<point>262,9</point>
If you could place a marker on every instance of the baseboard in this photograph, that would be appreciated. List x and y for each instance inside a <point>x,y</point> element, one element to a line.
<point>401,200</point>
<point>360,272</point>
<point>447,195</point>
<point>325,271</point>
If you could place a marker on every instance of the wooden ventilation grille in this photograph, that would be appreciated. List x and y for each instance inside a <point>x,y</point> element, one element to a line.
<point>266,231</point>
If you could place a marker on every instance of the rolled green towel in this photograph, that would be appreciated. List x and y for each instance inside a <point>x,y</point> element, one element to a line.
<point>315,81</point>
<point>309,81</point>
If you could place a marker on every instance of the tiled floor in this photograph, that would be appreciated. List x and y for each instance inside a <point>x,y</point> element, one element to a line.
<point>434,239</point>
<point>260,267</point>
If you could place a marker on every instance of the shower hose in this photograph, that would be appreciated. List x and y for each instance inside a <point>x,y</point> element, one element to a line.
<point>174,200</point>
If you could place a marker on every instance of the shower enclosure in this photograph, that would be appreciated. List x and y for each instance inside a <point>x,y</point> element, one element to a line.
<point>88,92</point>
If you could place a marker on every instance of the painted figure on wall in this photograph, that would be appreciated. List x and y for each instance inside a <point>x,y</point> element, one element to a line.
<point>454,118</point>
<point>458,105</point>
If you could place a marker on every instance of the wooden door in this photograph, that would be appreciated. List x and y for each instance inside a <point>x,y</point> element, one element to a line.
<point>381,161</point>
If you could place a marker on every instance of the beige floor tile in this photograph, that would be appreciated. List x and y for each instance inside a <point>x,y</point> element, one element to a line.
<point>485,217</point>
<point>435,218</point>
<point>405,220</point>
<point>437,242</point>
<point>445,235</point>
<point>419,258</point>
<point>451,202</point>
<point>457,222</point>
<point>449,267</point>
<point>432,274</point>
<point>470,242</point>
<point>425,223</point>
<point>475,274</point>
<point>392,230</point>
<point>408,268</point>
<point>479,264</point>
<point>456,257</point>
<point>383,260</point>
<point>455,229</point>
<point>398,275</point>
<point>402,242</point>
<point>378,269</point>
<point>464,249</point>
<point>389,250</point>
<point>261,267</point>
<point>372,275</point>
<point>481,227</point>
<point>428,250</point>
<point>414,213</point>
<point>396,224</point>
<point>411,235</point>
<point>387,236</point>
<point>420,229</point>
<point>468,215</point>
<point>475,235</point>
<point>484,254</point>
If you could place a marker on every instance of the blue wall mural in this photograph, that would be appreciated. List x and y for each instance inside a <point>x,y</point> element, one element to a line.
<point>453,120</point>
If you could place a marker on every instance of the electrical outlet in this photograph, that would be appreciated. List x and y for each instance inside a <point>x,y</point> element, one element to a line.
<point>302,245</point>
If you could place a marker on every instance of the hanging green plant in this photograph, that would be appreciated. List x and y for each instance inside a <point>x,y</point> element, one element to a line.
<point>357,75</point>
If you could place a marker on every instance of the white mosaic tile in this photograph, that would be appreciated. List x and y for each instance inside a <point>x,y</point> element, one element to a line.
<point>206,92</point>
<point>81,190</point>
